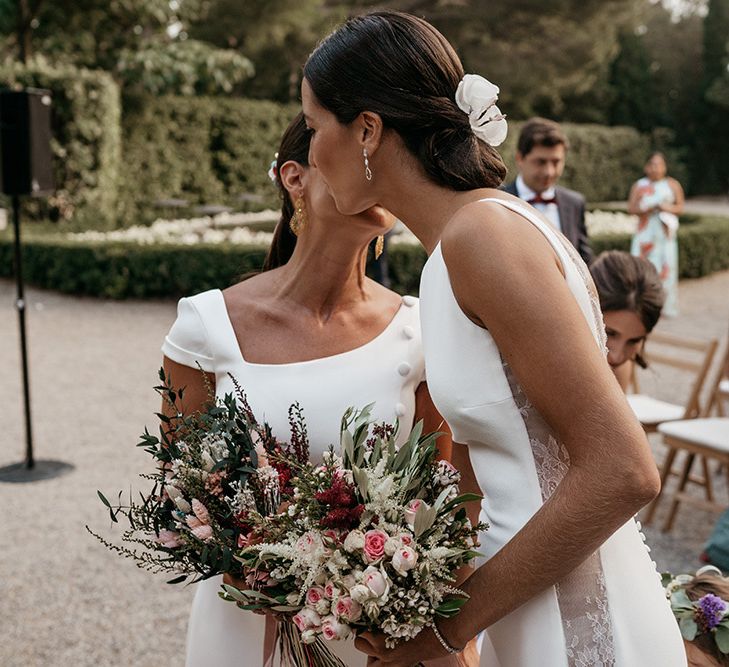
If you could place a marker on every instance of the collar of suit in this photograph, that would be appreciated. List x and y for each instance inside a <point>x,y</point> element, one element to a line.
<point>523,191</point>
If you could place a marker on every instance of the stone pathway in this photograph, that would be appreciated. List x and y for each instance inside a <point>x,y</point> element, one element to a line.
<point>65,600</point>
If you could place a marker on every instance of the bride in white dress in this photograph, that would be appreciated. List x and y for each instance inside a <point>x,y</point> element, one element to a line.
<point>515,358</point>
<point>313,331</point>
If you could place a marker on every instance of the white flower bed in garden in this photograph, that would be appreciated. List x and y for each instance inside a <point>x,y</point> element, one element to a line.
<point>231,228</point>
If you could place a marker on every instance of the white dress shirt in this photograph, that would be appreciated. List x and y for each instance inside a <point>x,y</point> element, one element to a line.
<point>550,211</point>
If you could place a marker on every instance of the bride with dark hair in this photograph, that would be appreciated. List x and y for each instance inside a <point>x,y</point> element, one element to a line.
<point>515,355</point>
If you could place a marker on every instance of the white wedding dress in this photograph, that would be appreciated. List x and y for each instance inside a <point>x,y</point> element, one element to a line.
<point>386,370</point>
<point>611,610</point>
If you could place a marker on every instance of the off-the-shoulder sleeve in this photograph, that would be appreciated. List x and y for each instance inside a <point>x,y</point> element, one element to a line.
<point>187,341</point>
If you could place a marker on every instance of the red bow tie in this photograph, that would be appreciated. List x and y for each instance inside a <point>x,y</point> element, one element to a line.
<point>538,199</point>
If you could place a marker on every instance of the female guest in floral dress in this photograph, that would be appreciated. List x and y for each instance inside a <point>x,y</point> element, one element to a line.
<point>658,200</point>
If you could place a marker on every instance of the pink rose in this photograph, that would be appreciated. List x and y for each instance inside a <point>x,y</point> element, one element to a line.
<point>411,510</point>
<point>404,560</point>
<point>314,595</point>
<point>331,628</point>
<point>243,541</point>
<point>406,539</point>
<point>374,546</point>
<point>330,590</point>
<point>307,619</point>
<point>347,609</point>
<point>375,580</point>
<point>203,532</point>
<point>169,539</point>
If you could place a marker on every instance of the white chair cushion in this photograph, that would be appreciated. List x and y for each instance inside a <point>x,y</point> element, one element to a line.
<point>724,386</point>
<point>712,432</point>
<point>650,410</point>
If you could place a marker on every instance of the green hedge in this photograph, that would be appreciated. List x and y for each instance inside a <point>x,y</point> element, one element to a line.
<point>602,162</point>
<point>125,270</point>
<point>203,149</point>
<point>86,144</point>
<point>215,149</point>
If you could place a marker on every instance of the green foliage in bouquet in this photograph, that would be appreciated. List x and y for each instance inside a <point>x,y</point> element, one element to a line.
<point>190,520</point>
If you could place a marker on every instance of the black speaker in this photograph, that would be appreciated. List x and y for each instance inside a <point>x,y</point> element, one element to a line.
<point>25,142</point>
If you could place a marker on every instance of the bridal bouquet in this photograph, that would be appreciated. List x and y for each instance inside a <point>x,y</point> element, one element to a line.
<point>207,478</point>
<point>370,539</point>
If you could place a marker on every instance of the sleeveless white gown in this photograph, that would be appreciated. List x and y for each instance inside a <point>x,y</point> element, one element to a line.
<point>612,609</point>
<point>386,370</point>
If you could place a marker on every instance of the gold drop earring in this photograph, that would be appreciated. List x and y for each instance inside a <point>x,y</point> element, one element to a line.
<point>379,246</point>
<point>298,219</point>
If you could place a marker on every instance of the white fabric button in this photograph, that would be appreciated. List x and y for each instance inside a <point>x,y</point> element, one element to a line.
<point>642,536</point>
<point>647,548</point>
<point>409,301</point>
<point>408,331</point>
<point>654,564</point>
<point>404,368</point>
<point>639,525</point>
<point>400,410</point>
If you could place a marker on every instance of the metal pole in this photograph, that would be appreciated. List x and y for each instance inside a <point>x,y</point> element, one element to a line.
<point>20,305</point>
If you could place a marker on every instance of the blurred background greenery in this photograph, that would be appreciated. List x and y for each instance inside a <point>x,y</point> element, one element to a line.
<point>157,100</point>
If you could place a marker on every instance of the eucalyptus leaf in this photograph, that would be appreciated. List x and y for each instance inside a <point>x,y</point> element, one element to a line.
<point>689,629</point>
<point>722,638</point>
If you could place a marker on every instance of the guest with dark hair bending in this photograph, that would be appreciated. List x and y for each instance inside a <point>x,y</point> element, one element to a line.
<point>631,299</point>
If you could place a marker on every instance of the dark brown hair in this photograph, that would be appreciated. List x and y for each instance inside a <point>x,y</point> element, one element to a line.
<point>540,132</point>
<point>701,585</point>
<point>294,146</point>
<point>402,68</point>
<point>625,282</point>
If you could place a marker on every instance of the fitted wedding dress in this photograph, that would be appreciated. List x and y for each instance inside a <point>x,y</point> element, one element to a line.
<point>386,370</point>
<point>611,610</point>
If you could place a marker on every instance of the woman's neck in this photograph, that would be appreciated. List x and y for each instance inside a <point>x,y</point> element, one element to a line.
<point>324,274</point>
<point>423,206</point>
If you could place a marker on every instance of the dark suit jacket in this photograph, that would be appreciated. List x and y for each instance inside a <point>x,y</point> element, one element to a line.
<point>571,206</point>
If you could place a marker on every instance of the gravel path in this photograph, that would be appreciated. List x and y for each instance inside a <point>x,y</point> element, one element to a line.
<point>64,600</point>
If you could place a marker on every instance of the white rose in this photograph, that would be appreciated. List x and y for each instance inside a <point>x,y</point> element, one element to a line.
<point>183,505</point>
<point>404,560</point>
<point>360,593</point>
<point>354,541</point>
<point>392,545</point>
<point>477,97</point>
<point>308,636</point>
<point>376,581</point>
<point>333,629</point>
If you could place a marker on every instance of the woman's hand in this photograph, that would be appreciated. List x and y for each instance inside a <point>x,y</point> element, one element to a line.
<point>408,654</point>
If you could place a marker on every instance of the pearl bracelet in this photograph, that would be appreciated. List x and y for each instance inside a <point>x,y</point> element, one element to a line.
<point>442,641</point>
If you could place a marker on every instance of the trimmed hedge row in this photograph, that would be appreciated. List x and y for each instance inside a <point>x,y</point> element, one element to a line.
<point>125,270</point>
<point>203,149</point>
<point>86,145</point>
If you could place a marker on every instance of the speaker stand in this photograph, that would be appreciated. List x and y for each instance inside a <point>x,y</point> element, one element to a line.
<point>29,470</point>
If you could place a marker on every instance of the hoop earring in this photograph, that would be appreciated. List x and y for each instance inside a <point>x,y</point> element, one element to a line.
<point>368,171</point>
<point>379,246</point>
<point>298,219</point>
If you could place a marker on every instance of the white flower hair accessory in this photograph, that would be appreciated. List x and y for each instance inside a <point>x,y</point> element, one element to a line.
<point>477,97</point>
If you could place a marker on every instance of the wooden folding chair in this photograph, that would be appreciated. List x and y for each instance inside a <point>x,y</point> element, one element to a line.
<point>706,437</point>
<point>692,356</point>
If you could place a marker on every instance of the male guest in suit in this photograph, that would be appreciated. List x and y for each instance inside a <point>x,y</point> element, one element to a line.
<point>540,157</point>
